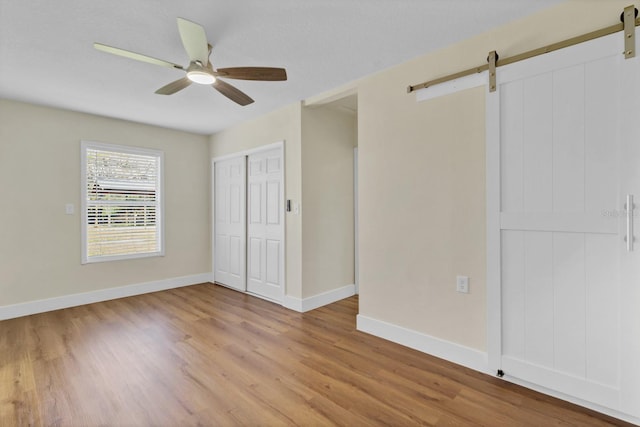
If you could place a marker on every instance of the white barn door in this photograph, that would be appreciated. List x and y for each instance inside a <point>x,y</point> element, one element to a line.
<point>230,223</point>
<point>265,224</point>
<point>570,286</point>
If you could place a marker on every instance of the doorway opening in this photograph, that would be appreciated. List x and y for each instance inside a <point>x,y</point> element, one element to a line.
<point>329,174</point>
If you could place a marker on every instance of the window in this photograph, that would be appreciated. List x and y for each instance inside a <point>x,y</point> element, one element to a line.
<point>121,202</point>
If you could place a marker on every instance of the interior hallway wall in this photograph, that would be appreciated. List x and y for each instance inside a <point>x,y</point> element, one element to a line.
<point>328,138</point>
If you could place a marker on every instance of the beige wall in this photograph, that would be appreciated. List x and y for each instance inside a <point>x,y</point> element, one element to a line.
<point>328,139</point>
<point>421,185</point>
<point>421,180</point>
<point>40,173</point>
<point>281,125</point>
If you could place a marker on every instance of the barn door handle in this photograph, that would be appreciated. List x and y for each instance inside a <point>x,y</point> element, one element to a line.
<point>629,209</point>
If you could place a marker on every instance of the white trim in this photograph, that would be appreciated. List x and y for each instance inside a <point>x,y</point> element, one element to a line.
<point>83,201</point>
<point>292,303</point>
<point>343,91</point>
<point>492,186</point>
<point>212,243</point>
<point>356,233</point>
<point>468,357</point>
<point>115,148</point>
<point>319,300</point>
<point>73,300</point>
<point>452,352</point>
<point>283,215</point>
<point>452,86</point>
<point>279,144</point>
<point>325,298</point>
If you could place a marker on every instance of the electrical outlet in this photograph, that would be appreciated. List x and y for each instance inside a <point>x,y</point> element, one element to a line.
<point>462,284</point>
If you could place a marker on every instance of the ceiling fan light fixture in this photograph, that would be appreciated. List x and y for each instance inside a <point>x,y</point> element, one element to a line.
<point>200,70</point>
<point>201,77</point>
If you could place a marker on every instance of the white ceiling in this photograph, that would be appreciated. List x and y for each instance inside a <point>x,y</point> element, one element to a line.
<point>46,53</point>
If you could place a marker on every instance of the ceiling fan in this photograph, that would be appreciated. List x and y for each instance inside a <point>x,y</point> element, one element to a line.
<point>200,69</point>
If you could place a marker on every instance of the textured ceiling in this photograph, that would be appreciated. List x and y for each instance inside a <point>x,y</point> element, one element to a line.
<point>46,53</point>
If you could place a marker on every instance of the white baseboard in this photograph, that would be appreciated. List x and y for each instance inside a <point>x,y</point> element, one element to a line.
<point>468,357</point>
<point>66,301</point>
<point>456,353</point>
<point>313,302</point>
<point>292,303</point>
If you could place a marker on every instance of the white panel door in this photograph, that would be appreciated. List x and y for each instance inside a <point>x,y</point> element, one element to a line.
<point>265,224</point>
<point>230,223</point>
<point>570,290</point>
<point>630,265</point>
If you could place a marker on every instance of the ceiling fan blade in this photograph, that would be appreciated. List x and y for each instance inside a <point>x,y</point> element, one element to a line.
<point>136,56</point>
<point>231,92</point>
<point>254,73</point>
<point>194,40</point>
<point>174,87</point>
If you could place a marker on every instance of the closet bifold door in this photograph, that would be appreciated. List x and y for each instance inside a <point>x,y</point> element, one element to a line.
<point>569,285</point>
<point>229,256</point>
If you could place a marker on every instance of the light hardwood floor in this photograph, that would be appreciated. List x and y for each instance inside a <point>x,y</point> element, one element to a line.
<point>206,355</point>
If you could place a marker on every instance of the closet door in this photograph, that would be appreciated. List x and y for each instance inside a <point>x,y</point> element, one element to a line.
<point>570,285</point>
<point>265,225</point>
<point>230,223</point>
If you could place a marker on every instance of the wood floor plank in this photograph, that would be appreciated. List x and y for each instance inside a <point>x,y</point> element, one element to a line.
<point>205,355</point>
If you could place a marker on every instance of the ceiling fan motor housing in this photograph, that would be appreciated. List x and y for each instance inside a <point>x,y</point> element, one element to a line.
<point>199,74</point>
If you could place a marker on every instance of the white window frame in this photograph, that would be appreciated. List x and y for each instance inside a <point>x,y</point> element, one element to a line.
<point>84,147</point>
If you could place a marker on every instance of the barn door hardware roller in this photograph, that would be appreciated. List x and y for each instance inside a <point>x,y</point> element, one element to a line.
<point>629,18</point>
<point>492,59</point>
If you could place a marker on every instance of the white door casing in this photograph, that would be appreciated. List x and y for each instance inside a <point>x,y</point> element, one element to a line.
<point>265,224</point>
<point>563,151</point>
<point>356,231</point>
<point>230,222</point>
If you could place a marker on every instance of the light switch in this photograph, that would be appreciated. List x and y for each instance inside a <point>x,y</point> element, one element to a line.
<point>462,284</point>
<point>69,209</point>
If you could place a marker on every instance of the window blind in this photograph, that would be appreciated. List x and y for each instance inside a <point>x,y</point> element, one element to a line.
<point>122,216</point>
